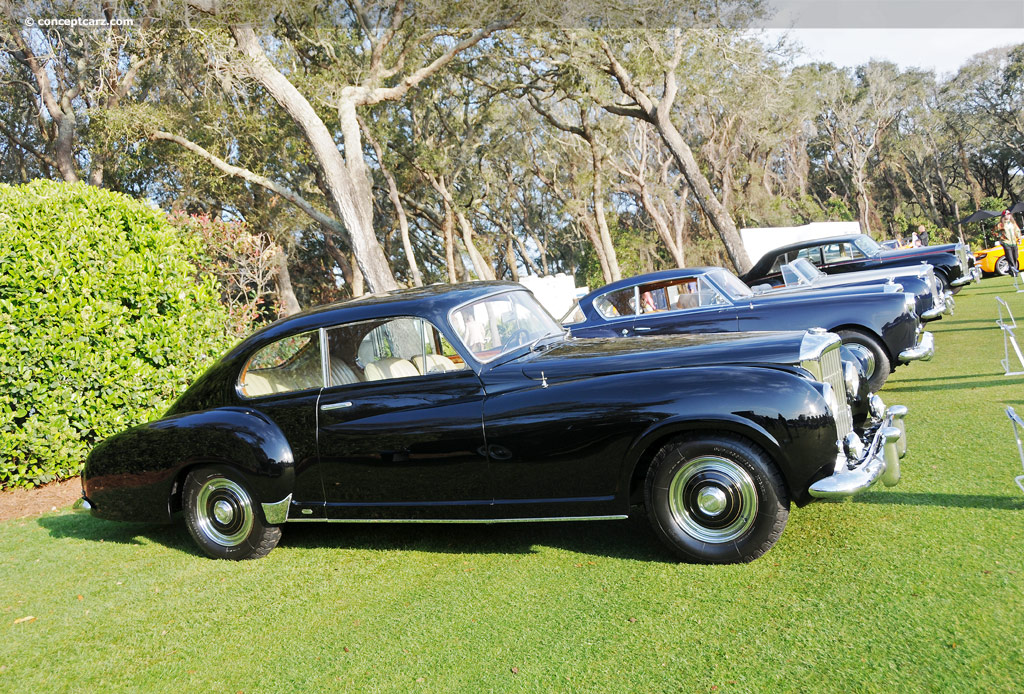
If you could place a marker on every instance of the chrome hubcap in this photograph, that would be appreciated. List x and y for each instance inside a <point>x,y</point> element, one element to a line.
<point>713,499</point>
<point>224,512</point>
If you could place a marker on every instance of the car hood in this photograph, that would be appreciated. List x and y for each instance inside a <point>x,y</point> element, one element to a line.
<point>865,277</point>
<point>575,358</point>
<point>817,293</point>
<point>922,251</point>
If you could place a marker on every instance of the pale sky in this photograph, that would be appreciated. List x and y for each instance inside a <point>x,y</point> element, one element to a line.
<point>941,50</point>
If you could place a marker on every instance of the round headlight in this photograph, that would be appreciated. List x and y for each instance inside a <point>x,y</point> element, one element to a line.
<point>852,378</point>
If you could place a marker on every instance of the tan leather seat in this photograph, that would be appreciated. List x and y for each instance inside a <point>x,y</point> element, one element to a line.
<point>342,374</point>
<point>389,368</point>
<point>435,363</point>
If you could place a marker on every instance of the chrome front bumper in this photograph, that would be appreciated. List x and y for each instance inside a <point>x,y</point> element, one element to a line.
<point>972,275</point>
<point>861,463</point>
<point>83,505</point>
<point>946,306</point>
<point>923,350</point>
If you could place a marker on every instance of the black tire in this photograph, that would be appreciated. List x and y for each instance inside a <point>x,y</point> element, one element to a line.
<point>715,499</point>
<point>224,517</point>
<point>856,340</point>
<point>1003,266</point>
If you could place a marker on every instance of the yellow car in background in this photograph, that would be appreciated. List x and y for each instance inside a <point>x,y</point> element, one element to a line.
<point>992,261</point>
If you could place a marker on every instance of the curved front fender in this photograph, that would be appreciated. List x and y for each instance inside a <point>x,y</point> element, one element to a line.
<point>131,476</point>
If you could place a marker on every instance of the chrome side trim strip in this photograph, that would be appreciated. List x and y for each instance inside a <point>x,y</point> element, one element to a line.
<point>456,520</point>
<point>277,512</point>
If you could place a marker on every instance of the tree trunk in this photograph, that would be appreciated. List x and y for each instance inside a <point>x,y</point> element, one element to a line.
<point>287,303</point>
<point>605,238</point>
<point>347,178</point>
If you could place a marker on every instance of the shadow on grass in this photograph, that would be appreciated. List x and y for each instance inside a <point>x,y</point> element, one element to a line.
<point>959,377</point>
<point>987,501</point>
<point>83,527</point>
<point>625,539</point>
<point>978,383</point>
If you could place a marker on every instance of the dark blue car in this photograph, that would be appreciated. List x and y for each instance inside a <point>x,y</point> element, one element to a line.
<point>878,321</point>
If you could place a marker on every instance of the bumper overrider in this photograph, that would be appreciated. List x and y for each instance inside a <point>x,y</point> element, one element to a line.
<point>863,460</point>
<point>972,275</point>
<point>944,308</point>
<point>922,351</point>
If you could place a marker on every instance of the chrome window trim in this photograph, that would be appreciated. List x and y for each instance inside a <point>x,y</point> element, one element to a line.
<point>240,392</point>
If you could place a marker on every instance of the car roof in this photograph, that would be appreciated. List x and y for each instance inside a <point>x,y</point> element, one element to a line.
<point>674,273</point>
<point>432,302</point>
<point>813,242</point>
<point>586,302</point>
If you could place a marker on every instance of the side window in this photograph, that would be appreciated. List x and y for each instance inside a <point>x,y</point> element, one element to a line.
<point>381,350</point>
<point>290,364</point>
<point>784,258</point>
<point>617,303</point>
<point>838,252</point>
<point>813,254</point>
<point>708,295</point>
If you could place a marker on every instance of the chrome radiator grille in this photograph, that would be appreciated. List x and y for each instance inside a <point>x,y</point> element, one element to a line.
<point>832,374</point>
<point>961,256</point>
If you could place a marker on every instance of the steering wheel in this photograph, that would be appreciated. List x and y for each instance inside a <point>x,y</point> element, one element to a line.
<point>518,338</point>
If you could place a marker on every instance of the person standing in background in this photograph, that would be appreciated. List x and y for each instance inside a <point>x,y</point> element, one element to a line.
<point>922,233</point>
<point>1010,240</point>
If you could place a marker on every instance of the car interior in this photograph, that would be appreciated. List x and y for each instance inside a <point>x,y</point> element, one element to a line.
<point>359,352</point>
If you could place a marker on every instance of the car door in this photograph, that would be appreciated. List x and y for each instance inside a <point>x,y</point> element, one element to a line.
<point>400,432</point>
<point>282,381</point>
<point>683,305</point>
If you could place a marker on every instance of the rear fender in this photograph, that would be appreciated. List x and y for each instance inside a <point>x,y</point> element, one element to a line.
<point>134,475</point>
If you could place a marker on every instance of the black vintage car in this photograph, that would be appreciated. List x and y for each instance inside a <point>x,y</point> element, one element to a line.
<point>954,266</point>
<point>879,322</point>
<point>469,403</point>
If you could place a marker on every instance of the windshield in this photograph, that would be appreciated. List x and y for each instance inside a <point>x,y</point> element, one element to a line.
<point>802,271</point>
<point>732,285</point>
<point>499,324</point>
<point>867,245</point>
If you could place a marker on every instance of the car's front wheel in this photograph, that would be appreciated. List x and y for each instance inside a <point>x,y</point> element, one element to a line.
<point>866,345</point>
<point>1003,266</point>
<point>223,517</point>
<point>716,499</point>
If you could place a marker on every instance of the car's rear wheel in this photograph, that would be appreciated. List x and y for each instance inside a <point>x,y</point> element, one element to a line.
<point>223,516</point>
<point>715,499</point>
<point>1003,266</point>
<point>866,345</point>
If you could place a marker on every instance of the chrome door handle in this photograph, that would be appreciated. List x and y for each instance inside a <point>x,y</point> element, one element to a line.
<point>641,329</point>
<point>335,406</point>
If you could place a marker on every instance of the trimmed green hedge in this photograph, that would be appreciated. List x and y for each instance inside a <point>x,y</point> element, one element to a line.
<point>103,322</point>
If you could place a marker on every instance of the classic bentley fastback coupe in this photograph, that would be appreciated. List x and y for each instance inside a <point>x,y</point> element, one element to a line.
<point>879,322</point>
<point>469,403</point>
<point>919,280</point>
<point>954,267</point>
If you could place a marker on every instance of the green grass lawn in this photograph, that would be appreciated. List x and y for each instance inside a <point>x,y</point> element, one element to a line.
<point>915,588</point>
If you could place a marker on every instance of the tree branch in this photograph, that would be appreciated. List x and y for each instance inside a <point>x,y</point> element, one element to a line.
<point>262,181</point>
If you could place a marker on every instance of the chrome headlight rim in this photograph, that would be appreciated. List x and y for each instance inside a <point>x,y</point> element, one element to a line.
<point>851,376</point>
